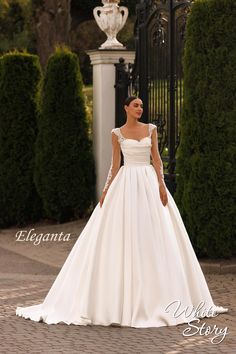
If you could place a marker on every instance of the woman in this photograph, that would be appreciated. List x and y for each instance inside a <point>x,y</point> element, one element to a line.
<point>134,110</point>
<point>133,264</point>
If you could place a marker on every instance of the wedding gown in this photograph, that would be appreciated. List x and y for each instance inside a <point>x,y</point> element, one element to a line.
<point>132,259</point>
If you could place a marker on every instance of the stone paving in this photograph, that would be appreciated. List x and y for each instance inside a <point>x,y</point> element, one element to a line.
<point>26,274</point>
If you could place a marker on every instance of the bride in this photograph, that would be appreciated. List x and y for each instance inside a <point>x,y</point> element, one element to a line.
<point>133,264</point>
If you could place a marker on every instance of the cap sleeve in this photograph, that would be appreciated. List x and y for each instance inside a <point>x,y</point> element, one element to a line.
<point>118,133</point>
<point>115,131</point>
<point>152,127</point>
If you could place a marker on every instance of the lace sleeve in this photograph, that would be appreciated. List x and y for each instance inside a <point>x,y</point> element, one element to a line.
<point>156,158</point>
<point>115,160</point>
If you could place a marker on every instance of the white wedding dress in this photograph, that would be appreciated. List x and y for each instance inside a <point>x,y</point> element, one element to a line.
<point>132,259</point>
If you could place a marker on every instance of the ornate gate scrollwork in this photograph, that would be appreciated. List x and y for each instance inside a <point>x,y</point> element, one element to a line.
<point>157,75</point>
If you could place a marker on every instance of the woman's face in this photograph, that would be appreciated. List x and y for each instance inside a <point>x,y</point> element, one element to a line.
<point>135,108</point>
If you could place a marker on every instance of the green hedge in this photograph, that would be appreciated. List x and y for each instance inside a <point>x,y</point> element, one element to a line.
<point>64,174</point>
<point>206,155</point>
<point>19,80</point>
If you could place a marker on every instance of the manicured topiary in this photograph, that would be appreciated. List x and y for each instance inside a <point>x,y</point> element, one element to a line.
<point>64,173</point>
<point>19,80</point>
<point>206,155</point>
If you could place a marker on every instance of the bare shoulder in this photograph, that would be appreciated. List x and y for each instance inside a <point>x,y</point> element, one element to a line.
<point>150,125</point>
<point>141,124</point>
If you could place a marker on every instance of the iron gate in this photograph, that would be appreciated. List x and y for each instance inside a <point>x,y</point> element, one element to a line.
<point>157,75</point>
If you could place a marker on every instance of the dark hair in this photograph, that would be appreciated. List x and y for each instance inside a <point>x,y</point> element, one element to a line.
<point>129,99</point>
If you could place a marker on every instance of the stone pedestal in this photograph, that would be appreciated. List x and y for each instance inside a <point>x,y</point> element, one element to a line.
<point>104,107</point>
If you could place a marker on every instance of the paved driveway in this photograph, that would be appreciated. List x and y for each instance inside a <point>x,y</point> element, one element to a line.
<point>26,274</point>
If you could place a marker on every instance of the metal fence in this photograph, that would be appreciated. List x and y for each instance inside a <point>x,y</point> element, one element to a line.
<point>157,75</point>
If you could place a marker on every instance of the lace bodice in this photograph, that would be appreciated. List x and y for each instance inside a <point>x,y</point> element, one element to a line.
<point>135,152</point>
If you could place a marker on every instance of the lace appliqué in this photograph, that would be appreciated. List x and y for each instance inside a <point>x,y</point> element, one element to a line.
<point>112,173</point>
<point>160,172</point>
<point>109,177</point>
<point>151,128</point>
<point>118,133</point>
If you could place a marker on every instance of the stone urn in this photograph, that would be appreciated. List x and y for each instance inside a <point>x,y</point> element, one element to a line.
<point>111,19</point>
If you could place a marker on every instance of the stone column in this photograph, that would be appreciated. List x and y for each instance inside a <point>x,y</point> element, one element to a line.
<point>104,107</point>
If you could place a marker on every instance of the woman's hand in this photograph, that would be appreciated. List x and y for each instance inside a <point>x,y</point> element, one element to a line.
<point>163,194</point>
<point>102,198</point>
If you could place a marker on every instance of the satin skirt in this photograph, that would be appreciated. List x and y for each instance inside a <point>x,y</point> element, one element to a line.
<point>133,264</point>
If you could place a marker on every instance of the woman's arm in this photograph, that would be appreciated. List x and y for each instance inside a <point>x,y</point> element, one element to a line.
<point>114,167</point>
<point>158,166</point>
<point>156,158</point>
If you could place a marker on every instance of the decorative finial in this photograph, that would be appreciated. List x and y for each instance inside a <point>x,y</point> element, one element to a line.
<point>111,19</point>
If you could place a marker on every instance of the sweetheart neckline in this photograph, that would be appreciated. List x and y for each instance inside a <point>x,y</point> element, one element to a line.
<point>136,139</point>
<point>148,136</point>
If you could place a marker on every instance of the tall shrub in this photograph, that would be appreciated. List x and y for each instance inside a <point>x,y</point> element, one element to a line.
<point>64,173</point>
<point>19,80</point>
<point>206,156</point>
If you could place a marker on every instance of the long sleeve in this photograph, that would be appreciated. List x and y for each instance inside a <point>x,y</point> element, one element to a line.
<point>156,158</point>
<point>115,161</point>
